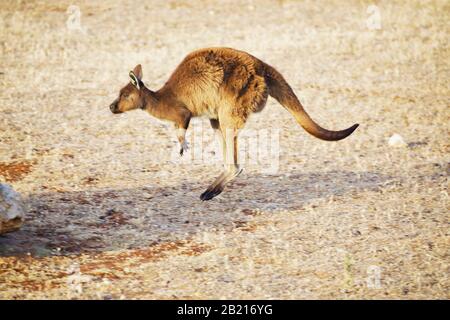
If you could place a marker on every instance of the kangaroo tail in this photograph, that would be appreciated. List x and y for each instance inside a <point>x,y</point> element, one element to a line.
<point>283,93</point>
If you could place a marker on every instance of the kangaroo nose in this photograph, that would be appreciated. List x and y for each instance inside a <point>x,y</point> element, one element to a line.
<point>112,108</point>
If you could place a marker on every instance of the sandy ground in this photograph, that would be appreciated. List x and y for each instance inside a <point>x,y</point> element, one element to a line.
<point>115,214</point>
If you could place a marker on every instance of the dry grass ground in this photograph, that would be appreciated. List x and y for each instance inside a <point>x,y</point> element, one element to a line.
<point>112,216</point>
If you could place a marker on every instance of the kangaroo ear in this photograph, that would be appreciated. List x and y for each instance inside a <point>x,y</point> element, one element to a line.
<point>138,71</point>
<point>135,80</point>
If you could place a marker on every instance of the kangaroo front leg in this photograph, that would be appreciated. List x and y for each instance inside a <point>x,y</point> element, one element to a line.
<point>182,119</point>
<point>231,164</point>
<point>181,127</point>
<point>181,135</point>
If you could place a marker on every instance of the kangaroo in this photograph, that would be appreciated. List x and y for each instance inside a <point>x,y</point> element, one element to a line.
<point>225,85</point>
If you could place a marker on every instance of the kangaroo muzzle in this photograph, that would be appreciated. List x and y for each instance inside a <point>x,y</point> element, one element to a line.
<point>114,107</point>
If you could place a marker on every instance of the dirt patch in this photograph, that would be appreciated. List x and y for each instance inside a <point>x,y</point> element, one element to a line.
<point>15,171</point>
<point>132,258</point>
<point>16,273</point>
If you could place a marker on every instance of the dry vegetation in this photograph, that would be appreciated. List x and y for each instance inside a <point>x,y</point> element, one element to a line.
<point>112,216</point>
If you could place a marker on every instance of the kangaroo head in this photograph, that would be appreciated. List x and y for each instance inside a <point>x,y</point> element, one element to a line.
<point>131,96</point>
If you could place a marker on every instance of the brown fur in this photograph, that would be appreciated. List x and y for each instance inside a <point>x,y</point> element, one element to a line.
<point>225,85</point>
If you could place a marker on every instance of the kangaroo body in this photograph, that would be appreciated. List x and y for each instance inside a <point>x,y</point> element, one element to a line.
<point>219,81</point>
<point>225,85</point>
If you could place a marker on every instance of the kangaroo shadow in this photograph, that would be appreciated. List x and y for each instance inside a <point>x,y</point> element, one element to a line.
<point>64,223</point>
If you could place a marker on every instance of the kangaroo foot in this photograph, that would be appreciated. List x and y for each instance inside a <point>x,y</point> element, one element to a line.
<point>217,187</point>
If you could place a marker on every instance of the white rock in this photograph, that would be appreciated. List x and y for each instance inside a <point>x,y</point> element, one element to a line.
<point>396,140</point>
<point>12,209</point>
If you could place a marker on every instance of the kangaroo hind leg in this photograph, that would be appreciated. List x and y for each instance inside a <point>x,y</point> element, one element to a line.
<point>232,169</point>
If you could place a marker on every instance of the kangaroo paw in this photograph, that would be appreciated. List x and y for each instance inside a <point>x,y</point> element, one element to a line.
<point>184,146</point>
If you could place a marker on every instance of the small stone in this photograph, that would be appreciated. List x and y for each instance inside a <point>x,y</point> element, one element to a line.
<point>396,140</point>
<point>12,209</point>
